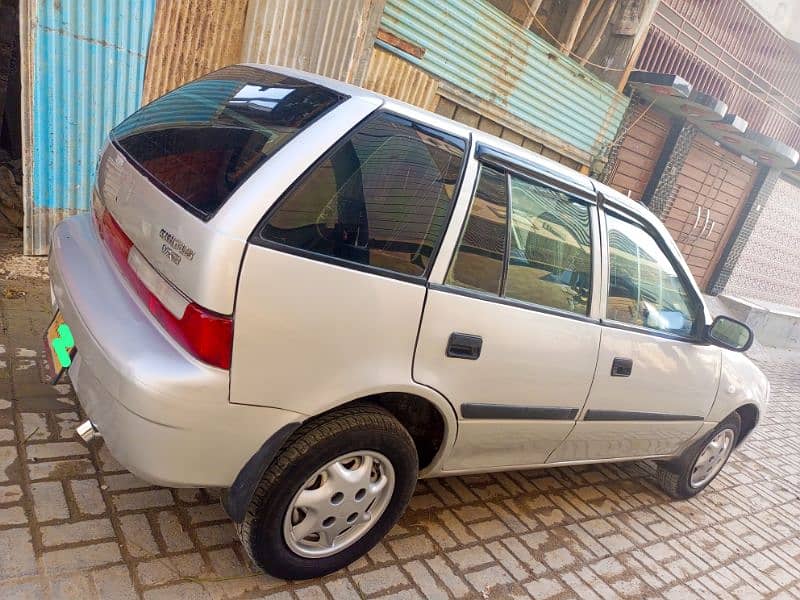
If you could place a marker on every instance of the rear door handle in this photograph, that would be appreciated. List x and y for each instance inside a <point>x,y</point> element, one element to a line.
<point>464,345</point>
<point>621,367</point>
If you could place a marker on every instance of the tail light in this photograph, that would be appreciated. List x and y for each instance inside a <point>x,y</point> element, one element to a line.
<point>205,334</point>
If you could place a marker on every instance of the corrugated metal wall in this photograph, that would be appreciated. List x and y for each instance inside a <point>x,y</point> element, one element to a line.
<point>391,75</point>
<point>332,38</point>
<point>191,38</point>
<point>83,73</point>
<point>478,49</point>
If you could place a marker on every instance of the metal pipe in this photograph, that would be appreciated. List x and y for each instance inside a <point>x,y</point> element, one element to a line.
<point>87,431</point>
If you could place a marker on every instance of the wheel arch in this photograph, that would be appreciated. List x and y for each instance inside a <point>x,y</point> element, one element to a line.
<point>411,407</point>
<point>398,399</point>
<point>422,419</point>
<point>749,415</point>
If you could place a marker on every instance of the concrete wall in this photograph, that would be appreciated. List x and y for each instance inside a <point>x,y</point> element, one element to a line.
<point>768,267</point>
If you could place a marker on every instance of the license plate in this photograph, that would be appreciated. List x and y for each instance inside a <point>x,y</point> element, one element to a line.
<point>59,348</point>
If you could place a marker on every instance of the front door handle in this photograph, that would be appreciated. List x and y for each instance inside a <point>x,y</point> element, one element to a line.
<point>464,345</point>
<point>622,367</point>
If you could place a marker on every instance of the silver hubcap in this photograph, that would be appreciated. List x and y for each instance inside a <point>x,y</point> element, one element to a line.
<point>711,459</point>
<point>339,504</point>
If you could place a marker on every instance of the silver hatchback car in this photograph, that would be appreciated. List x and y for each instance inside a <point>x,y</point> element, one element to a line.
<point>311,295</point>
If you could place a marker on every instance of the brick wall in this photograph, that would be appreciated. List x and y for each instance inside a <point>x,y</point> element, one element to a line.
<point>764,262</point>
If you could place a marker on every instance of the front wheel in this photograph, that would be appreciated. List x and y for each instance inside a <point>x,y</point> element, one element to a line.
<point>697,467</point>
<point>337,487</point>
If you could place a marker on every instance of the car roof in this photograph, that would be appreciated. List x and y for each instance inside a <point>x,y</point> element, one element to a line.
<point>536,160</point>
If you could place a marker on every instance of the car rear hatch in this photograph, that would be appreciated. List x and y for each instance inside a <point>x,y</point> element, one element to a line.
<point>169,168</point>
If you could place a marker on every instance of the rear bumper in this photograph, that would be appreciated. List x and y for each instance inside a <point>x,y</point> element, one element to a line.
<point>163,414</point>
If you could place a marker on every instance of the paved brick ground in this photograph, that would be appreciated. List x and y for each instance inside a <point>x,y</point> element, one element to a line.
<point>74,524</point>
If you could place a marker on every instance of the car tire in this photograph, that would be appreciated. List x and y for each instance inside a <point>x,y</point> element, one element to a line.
<point>314,484</point>
<point>697,467</point>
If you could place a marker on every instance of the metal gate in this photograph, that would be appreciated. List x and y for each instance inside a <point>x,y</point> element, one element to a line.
<point>710,191</point>
<point>639,151</point>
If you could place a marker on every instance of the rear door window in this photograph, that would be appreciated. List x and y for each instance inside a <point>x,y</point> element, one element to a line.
<point>539,252</point>
<point>478,264</point>
<point>199,142</point>
<point>381,198</point>
<point>550,248</point>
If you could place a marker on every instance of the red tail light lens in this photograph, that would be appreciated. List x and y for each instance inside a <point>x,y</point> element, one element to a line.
<point>205,334</point>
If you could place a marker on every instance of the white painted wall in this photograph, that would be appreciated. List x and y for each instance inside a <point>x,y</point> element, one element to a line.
<point>768,268</point>
<point>784,15</point>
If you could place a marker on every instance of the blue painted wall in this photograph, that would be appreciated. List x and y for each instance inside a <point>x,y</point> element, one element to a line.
<point>87,62</point>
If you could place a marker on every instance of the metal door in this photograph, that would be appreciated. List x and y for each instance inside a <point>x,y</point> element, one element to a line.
<point>710,191</point>
<point>516,372</point>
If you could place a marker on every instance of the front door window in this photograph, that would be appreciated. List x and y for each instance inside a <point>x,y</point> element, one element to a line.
<point>644,288</point>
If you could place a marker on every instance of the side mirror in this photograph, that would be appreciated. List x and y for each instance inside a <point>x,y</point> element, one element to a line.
<point>730,333</point>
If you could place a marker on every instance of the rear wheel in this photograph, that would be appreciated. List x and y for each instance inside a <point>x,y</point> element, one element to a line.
<point>337,487</point>
<point>689,474</point>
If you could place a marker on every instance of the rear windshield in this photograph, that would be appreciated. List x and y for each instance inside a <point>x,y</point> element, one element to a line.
<point>201,141</point>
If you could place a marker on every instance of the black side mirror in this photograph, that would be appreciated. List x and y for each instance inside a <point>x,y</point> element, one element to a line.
<point>730,333</point>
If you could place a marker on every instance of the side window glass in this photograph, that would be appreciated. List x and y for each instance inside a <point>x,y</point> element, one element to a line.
<point>478,263</point>
<point>644,289</point>
<point>382,198</point>
<point>550,248</point>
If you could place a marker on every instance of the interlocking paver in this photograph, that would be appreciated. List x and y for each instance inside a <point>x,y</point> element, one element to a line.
<point>49,501</point>
<point>143,500</point>
<point>80,558</point>
<point>75,523</point>
<point>72,533</point>
<point>138,535</point>
<point>16,554</point>
<point>114,582</point>
<point>172,532</point>
<point>87,496</point>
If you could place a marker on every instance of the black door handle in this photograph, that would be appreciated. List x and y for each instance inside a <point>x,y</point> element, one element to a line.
<point>464,345</point>
<point>621,367</point>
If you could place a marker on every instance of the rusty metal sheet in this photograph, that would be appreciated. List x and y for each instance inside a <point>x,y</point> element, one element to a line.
<point>329,38</point>
<point>391,75</point>
<point>191,38</point>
